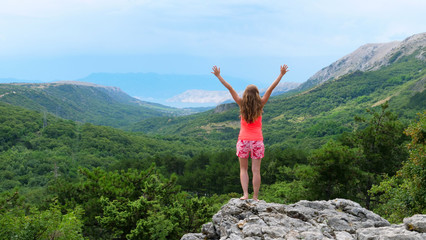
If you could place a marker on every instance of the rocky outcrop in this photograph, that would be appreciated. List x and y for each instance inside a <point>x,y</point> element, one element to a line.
<point>333,219</point>
<point>370,57</point>
<point>224,107</point>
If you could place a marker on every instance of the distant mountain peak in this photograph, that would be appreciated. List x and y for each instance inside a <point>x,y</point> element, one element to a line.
<point>369,57</point>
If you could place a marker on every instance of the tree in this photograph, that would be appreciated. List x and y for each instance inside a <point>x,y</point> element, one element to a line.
<point>336,171</point>
<point>381,144</point>
<point>404,194</point>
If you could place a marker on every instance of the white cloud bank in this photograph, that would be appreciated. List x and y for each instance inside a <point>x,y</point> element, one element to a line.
<point>201,96</point>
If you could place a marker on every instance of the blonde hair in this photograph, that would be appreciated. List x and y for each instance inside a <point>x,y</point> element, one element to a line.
<point>251,107</point>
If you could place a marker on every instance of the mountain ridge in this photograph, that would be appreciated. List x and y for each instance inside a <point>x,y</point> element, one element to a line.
<point>368,57</point>
<point>83,102</point>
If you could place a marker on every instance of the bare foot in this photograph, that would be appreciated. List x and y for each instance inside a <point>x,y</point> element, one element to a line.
<point>243,198</point>
<point>256,199</point>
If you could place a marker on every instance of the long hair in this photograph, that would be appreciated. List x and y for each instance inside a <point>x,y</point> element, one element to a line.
<point>251,107</point>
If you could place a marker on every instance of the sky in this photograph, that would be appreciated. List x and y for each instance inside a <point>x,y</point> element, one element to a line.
<point>49,40</point>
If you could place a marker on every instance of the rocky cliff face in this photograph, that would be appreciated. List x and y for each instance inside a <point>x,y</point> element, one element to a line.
<point>225,107</point>
<point>370,57</point>
<point>333,219</point>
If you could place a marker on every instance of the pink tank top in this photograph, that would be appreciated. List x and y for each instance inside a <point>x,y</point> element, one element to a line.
<point>251,131</point>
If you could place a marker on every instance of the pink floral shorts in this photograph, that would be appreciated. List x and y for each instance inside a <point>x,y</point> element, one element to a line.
<point>255,148</point>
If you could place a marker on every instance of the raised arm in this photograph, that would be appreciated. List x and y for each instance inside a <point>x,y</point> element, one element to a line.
<point>234,94</point>
<point>265,98</point>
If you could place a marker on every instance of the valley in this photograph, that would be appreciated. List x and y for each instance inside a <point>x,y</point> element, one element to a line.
<point>96,163</point>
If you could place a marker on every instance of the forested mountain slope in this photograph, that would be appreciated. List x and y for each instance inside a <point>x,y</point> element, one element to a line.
<point>83,102</point>
<point>34,146</point>
<point>311,117</point>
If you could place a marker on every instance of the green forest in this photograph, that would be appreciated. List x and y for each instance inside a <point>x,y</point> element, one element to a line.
<point>360,137</point>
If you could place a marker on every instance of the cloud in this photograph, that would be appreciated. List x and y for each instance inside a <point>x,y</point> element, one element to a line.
<point>203,28</point>
<point>201,96</point>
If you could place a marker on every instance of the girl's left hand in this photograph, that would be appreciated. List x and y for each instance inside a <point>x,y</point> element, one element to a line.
<point>284,69</point>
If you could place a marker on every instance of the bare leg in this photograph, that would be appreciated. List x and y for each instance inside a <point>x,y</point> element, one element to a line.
<point>255,168</point>
<point>244,178</point>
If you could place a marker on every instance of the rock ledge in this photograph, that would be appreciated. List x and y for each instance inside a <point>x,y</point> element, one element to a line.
<point>311,220</point>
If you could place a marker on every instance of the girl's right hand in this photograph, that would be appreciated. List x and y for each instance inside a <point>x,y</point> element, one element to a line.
<point>216,71</point>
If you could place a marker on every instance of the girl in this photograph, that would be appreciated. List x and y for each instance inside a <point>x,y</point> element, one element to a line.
<point>250,139</point>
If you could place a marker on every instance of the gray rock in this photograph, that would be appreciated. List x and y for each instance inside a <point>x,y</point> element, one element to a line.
<point>251,230</point>
<point>312,235</point>
<point>234,236</point>
<point>193,236</point>
<point>344,236</point>
<point>387,233</point>
<point>209,230</point>
<point>274,232</point>
<point>416,223</point>
<point>340,224</point>
<point>334,219</point>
